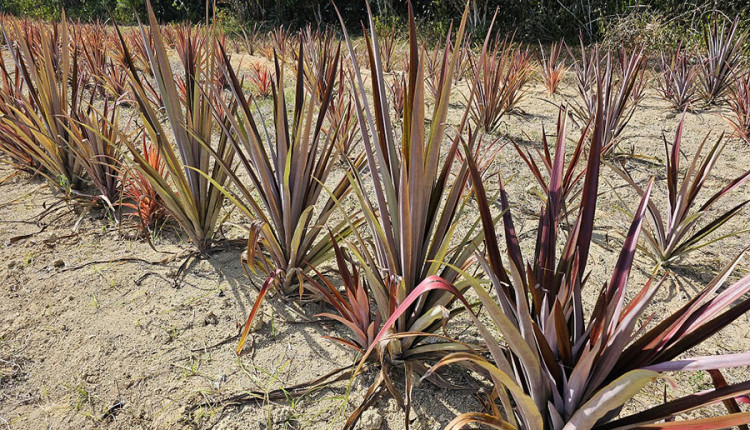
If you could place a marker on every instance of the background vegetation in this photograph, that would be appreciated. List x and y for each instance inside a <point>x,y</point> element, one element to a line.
<point>531,20</point>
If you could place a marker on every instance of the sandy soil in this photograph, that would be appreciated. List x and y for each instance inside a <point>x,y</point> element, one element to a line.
<point>98,330</point>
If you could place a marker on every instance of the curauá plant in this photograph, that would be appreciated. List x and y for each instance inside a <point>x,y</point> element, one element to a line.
<point>501,74</point>
<point>585,70</point>
<point>318,49</point>
<point>618,81</point>
<point>573,173</point>
<point>681,229</point>
<point>36,124</point>
<point>618,94</point>
<point>354,307</point>
<point>140,198</point>
<point>253,38</point>
<point>420,193</point>
<point>290,176</point>
<point>739,104</point>
<point>96,141</point>
<point>13,90</point>
<point>341,115</point>
<point>723,54</point>
<point>551,67</point>
<point>434,60</point>
<point>193,192</point>
<point>53,126</point>
<point>556,368</point>
<point>261,78</point>
<point>678,76</point>
<point>389,47</point>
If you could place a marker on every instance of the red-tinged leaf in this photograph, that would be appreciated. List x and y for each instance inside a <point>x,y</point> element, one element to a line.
<point>529,160</point>
<point>731,403</point>
<point>703,363</point>
<point>491,242</point>
<point>561,330</point>
<point>693,241</point>
<point>673,164</point>
<point>678,406</point>
<point>619,281</point>
<point>272,278</point>
<point>429,284</point>
<point>649,346</point>
<point>736,182</point>
<point>715,423</point>
<point>548,357</point>
<point>511,239</point>
<point>347,343</point>
<point>351,325</point>
<point>465,419</point>
<point>591,184</point>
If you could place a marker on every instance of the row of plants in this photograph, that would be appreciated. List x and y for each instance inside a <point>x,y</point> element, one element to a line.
<point>338,177</point>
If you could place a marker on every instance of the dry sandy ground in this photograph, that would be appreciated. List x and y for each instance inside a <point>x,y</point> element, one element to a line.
<point>98,330</point>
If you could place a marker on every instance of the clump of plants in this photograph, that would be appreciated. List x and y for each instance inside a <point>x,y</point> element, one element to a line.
<point>612,87</point>
<point>501,74</point>
<point>739,104</point>
<point>552,67</point>
<point>553,366</point>
<point>35,129</point>
<point>262,79</point>
<point>289,177</point>
<point>193,106</point>
<point>722,55</point>
<point>419,194</point>
<point>678,79</point>
<point>681,229</point>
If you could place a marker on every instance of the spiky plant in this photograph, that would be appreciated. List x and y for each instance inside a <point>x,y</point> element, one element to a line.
<point>420,191</point>
<point>434,60</point>
<point>672,235</point>
<point>573,173</point>
<point>678,77</point>
<point>262,79</point>
<point>192,194</point>
<point>619,103</point>
<point>290,179</point>
<point>518,76</point>
<point>319,49</point>
<point>353,308</point>
<point>586,69</point>
<point>551,67</point>
<point>341,113</point>
<point>398,87</point>
<point>500,77</point>
<point>722,56</point>
<point>389,47</point>
<point>12,91</point>
<point>616,85</point>
<point>463,65</point>
<point>139,196</point>
<point>280,38</point>
<point>253,38</point>
<point>554,368</point>
<point>138,46</point>
<point>37,124</point>
<point>96,142</point>
<point>739,104</point>
<point>93,41</point>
